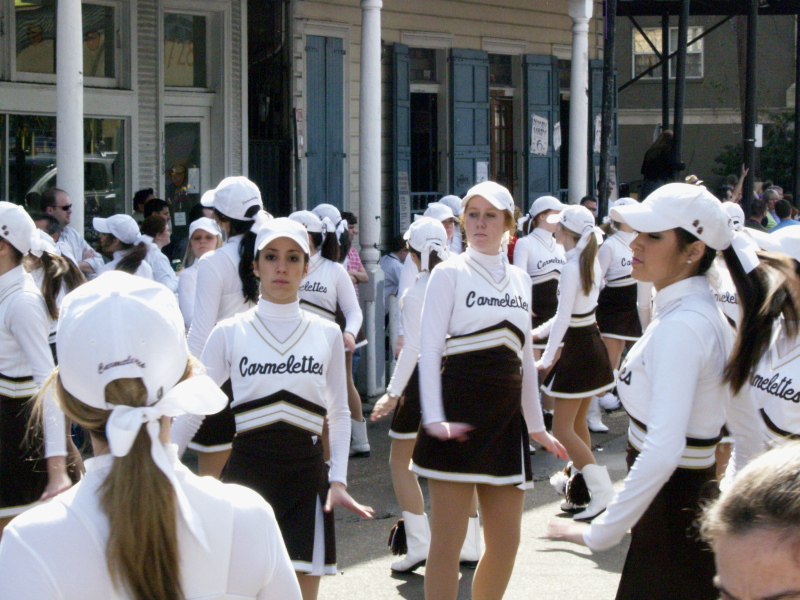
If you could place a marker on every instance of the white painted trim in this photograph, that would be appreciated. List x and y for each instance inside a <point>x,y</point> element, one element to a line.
<point>425,88</point>
<point>504,46</point>
<point>562,51</point>
<point>37,98</point>
<point>426,39</point>
<point>691,116</point>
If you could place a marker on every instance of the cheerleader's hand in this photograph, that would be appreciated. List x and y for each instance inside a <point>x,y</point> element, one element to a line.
<point>551,444</point>
<point>338,496</point>
<point>445,430</point>
<point>349,341</point>
<point>383,407</point>
<point>540,366</point>
<point>568,531</point>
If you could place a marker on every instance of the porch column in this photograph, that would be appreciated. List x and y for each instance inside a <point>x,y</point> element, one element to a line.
<point>580,11</point>
<point>369,186</point>
<point>69,115</point>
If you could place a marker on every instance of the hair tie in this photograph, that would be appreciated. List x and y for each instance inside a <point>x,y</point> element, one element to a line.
<point>522,221</point>
<point>432,245</point>
<point>586,235</point>
<point>260,219</point>
<point>745,250</point>
<point>144,238</point>
<point>38,246</point>
<point>341,227</point>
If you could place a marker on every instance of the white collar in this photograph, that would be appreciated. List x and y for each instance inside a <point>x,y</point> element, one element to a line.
<point>12,277</point>
<point>680,289</point>
<point>487,260</point>
<point>271,310</point>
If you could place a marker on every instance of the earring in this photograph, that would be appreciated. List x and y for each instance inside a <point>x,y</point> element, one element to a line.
<point>688,262</point>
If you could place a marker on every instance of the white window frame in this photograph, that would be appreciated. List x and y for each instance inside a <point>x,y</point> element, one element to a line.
<point>696,48</point>
<point>121,42</point>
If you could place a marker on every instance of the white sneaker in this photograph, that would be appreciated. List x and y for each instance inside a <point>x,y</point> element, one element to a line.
<point>593,419</point>
<point>359,444</point>
<point>609,401</point>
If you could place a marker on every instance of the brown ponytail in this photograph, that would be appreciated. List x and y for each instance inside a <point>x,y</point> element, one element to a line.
<point>587,258</point>
<point>142,550</point>
<point>131,262</point>
<point>59,273</point>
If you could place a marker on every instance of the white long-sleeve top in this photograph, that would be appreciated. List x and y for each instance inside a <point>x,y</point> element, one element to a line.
<point>408,275</point>
<point>411,309</point>
<point>73,245</point>
<point>672,382</point>
<point>450,309</point>
<point>571,301</point>
<point>326,285</point>
<point>24,350</point>
<point>614,257</point>
<point>247,557</point>
<point>187,288</point>
<point>219,292</point>
<point>539,255</point>
<point>162,269</point>
<point>725,293</point>
<point>272,334</point>
<point>144,269</point>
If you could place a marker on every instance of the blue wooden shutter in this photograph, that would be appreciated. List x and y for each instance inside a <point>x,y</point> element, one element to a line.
<point>334,121</point>
<point>469,93</point>
<point>401,121</point>
<point>596,108</point>
<point>541,93</point>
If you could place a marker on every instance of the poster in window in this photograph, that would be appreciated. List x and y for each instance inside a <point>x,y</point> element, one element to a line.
<point>539,132</point>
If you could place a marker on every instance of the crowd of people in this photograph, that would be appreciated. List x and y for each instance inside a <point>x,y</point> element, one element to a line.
<point>678,308</point>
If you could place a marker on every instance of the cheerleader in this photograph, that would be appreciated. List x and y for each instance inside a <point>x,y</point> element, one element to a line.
<point>25,362</point>
<point>476,314</point>
<point>287,372</point>
<point>140,524</point>
<point>225,287</point>
<point>677,384</point>
<point>427,243</point>
<point>583,370</point>
<point>328,292</point>
<point>156,231</point>
<point>538,254</point>
<point>204,236</point>
<point>121,240</point>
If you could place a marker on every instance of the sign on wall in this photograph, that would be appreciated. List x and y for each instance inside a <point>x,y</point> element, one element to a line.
<point>539,131</point>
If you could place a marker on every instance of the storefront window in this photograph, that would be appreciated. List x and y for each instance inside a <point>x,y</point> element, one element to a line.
<point>36,38</point>
<point>184,50</point>
<point>32,168</point>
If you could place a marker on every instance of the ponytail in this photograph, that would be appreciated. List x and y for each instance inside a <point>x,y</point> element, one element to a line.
<point>247,249</point>
<point>59,273</point>
<point>131,262</point>
<point>587,258</point>
<point>772,289</point>
<point>433,257</point>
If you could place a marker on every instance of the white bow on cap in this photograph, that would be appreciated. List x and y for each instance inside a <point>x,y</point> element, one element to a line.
<point>147,239</point>
<point>338,229</point>
<point>197,395</point>
<point>431,245</point>
<point>39,246</point>
<point>522,221</point>
<point>745,249</point>
<point>588,231</point>
<point>260,219</point>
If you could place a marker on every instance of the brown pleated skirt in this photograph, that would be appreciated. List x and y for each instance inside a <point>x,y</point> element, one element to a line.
<point>544,304</point>
<point>617,314</point>
<point>408,414</point>
<point>583,369</point>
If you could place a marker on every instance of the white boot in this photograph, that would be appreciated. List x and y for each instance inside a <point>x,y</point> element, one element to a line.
<point>471,550</point>
<point>359,444</point>
<point>599,484</point>
<point>593,419</point>
<point>418,539</point>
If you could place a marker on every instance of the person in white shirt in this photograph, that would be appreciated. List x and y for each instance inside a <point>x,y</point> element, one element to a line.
<point>479,399</point>
<point>56,202</point>
<point>287,372</point>
<point>680,384</point>
<point>226,286</point>
<point>123,243</point>
<point>392,265</point>
<point>583,370</point>
<point>204,236</point>
<point>25,363</point>
<point>157,231</point>
<point>140,524</point>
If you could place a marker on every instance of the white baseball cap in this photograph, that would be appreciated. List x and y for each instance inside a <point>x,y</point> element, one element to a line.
<point>122,227</point>
<point>690,207</point>
<point>425,235</point>
<point>207,199</point>
<point>206,224</point>
<point>544,203</point>
<point>575,217</point>
<point>328,211</point>
<point>283,227</point>
<point>736,215</point>
<point>623,202</point>
<point>454,202</point>
<point>233,197</point>
<point>17,227</point>
<point>120,326</point>
<point>308,219</point>
<point>496,194</point>
<point>439,211</point>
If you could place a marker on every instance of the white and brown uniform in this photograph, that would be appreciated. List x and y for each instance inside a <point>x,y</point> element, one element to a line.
<point>218,296</point>
<point>25,362</point>
<point>405,379</point>
<point>542,259</point>
<point>328,287</point>
<point>287,373</point>
<point>671,385</point>
<point>775,388</point>
<point>583,369</point>
<point>617,310</point>
<point>476,366</point>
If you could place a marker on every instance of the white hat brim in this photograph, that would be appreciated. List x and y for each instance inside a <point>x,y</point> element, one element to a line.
<point>641,217</point>
<point>100,225</point>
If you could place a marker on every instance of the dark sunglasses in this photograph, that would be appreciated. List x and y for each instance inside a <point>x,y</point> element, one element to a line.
<point>65,207</point>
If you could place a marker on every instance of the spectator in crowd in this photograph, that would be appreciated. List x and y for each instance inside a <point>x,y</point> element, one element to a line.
<point>392,264</point>
<point>784,212</point>
<point>771,219</point>
<point>140,198</point>
<point>352,262</point>
<point>590,202</point>
<point>758,211</point>
<point>156,206</point>
<point>56,203</point>
<point>49,224</point>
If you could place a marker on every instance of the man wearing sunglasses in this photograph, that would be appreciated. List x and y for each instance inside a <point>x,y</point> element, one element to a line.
<point>56,202</point>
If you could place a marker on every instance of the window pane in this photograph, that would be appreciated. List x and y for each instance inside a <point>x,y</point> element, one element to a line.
<point>184,50</point>
<point>423,64</point>
<point>98,40</point>
<point>36,36</point>
<point>640,44</point>
<point>500,69</point>
<point>644,62</point>
<point>31,155</point>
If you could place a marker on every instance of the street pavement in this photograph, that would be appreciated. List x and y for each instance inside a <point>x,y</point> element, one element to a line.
<point>545,570</point>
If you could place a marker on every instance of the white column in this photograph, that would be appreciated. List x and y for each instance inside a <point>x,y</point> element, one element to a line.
<point>580,11</point>
<point>69,116</point>
<point>369,185</point>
